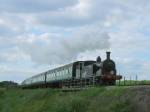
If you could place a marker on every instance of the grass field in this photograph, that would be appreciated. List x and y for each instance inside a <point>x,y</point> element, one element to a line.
<point>100,99</point>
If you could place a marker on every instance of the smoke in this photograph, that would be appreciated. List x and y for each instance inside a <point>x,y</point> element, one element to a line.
<point>48,49</point>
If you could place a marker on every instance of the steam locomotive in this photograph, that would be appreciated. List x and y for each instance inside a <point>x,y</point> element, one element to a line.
<point>103,71</point>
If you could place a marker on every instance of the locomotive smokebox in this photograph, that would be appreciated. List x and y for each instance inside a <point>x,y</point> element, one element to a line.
<point>108,55</point>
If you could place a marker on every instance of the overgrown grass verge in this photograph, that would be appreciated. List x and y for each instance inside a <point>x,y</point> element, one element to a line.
<point>100,99</point>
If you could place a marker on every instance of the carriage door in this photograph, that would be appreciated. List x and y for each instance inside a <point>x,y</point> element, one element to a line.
<point>79,69</point>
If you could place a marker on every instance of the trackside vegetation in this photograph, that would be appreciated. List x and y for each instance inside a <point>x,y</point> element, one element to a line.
<point>98,99</point>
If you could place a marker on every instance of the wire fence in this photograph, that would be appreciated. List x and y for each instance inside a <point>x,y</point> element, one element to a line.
<point>131,81</point>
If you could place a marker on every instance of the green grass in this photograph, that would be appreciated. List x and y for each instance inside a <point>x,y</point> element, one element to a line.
<point>100,99</point>
<point>133,82</point>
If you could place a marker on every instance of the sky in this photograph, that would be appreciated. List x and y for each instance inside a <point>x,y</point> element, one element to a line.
<point>38,35</point>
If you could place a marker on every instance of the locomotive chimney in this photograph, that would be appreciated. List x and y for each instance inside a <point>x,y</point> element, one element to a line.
<point>108,55</point>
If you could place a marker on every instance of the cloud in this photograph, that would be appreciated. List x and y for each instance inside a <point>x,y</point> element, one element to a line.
<point>36,6</point>
<point>12,55</point>
<point>49,50</point>
<point>131,49</point>
<point>15,73</point>
<point>88,12</point>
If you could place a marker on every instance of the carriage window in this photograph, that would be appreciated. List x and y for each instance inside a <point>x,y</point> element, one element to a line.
<point>59,73</point>
<point>66,71</point>
<point>70,70</point>
<point>63,72</point>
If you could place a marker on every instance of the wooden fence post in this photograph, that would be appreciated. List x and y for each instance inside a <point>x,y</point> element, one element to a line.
<point>136,80</point>
<point>119,82</point>
<point>130,80</point>
<point>124,81</point>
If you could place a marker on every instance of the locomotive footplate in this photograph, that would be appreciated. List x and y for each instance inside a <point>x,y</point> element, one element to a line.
<point>111,77</point>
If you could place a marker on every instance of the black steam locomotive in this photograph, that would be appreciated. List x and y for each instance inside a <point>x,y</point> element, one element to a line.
<point>103,71</point>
